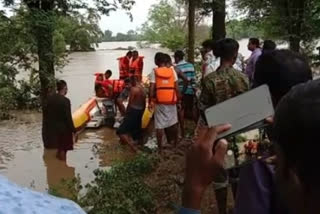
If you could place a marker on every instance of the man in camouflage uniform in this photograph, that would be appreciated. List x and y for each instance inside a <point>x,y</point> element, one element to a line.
<point>219,86</point>
<point>222,85</point>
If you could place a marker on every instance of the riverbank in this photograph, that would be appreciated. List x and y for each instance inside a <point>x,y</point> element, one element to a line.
<point>24,161</point>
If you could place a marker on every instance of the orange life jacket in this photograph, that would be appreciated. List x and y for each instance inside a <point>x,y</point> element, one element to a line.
<point>136,67</point>
<point>124,63</point>
<point>118,86</point>
<point>165,86</point>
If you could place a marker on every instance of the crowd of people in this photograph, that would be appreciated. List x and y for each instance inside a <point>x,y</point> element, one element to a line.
<point>285,181</point>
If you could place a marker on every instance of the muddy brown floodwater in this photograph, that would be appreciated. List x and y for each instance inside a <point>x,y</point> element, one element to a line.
<point>24,161</point>
<point>22,157</point>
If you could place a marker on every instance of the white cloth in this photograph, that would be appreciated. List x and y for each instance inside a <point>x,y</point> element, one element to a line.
<point>165,116</point>
<point>210,63</point>
<point>19,200</point>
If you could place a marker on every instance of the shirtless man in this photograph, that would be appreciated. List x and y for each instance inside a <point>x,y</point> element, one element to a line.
<point>130,129</point>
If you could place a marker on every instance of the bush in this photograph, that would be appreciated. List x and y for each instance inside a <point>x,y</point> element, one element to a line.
<point>120,190</point>
<point>17,95</point>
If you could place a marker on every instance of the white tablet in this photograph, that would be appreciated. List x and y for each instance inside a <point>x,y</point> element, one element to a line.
<point>244,112</point>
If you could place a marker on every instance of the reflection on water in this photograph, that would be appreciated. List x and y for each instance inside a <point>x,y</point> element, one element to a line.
<point>56,170</point>
<point>24,161</point>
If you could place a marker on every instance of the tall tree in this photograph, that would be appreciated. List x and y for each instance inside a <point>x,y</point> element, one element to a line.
<point>218,10</point>
<point>218,19</point>
<point>191,29</point>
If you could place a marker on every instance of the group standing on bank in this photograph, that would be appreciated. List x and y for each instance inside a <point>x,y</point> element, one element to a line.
<point>176,92</point>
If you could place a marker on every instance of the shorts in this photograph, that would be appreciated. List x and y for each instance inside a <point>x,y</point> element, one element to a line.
<point>131,124</point>
<point>188,105</point>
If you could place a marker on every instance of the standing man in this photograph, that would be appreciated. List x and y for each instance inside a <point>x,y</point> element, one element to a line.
<point>210,61</point>
<point>124,66</point>
<point>254,47</point>
<point>218,87</point>
<point>164,94</point>
<point>123,96</point>
<point>136,65</point>
<point>130,129</point>
<point>59,125</point>
<point>187,83</point>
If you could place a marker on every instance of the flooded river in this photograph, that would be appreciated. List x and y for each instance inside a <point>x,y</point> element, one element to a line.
<point>22,157</point>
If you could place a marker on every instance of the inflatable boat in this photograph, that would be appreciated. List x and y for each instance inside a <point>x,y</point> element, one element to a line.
<point>97,112</point>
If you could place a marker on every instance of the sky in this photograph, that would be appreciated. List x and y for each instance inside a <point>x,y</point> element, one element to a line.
<point>119,21</point>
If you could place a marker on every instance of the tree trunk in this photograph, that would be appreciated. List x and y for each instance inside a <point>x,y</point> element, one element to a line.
<point>219,19</point>
<point>294,44</point>
<point>43,28</point>
<point>191,29</point>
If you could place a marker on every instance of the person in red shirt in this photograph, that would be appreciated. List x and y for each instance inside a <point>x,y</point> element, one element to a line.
<point>106,83</point>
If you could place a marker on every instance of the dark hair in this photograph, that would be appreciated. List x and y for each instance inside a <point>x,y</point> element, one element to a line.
<point>208,44</point>
<point>255,41</point>
<point>61,84</point>
<point>226,48</point>
<point>167,58</point>
<point>179,54</point>
<point>159,58</point>
<point>97,87</point>
<point>127,80</point>
<point>296,132</point>
<point>133,79</point>
<point>129,53</point>
<point>109,72</point>
<point>269,45</point>
<point>135,52</point>
<point>281,70</point>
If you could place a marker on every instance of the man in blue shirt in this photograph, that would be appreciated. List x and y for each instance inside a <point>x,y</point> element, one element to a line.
<point>187,86</point>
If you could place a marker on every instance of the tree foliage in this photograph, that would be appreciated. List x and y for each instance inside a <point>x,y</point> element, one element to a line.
<point>131,35</point>
<point>167,25</point>
<point>240,29</point>
<point>18,52</point>
<point>80,30</point>
<point>293,21</point>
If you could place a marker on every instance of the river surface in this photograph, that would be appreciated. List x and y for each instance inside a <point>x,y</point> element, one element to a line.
<point>22,157</point>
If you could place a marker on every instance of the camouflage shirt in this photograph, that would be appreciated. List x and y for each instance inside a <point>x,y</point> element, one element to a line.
<point>222,85</point>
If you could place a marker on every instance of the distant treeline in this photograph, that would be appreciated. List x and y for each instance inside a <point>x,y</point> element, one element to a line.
<point>131,35</point>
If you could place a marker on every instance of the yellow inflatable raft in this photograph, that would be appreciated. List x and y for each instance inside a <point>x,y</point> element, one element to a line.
<point>82,115</point>
<point>146,118</point>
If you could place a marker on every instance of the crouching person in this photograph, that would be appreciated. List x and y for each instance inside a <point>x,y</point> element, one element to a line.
<point>130,129</point>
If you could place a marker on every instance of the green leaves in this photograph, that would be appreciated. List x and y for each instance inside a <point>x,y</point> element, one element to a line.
<point>293,21</point>
<point>122,189</point>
